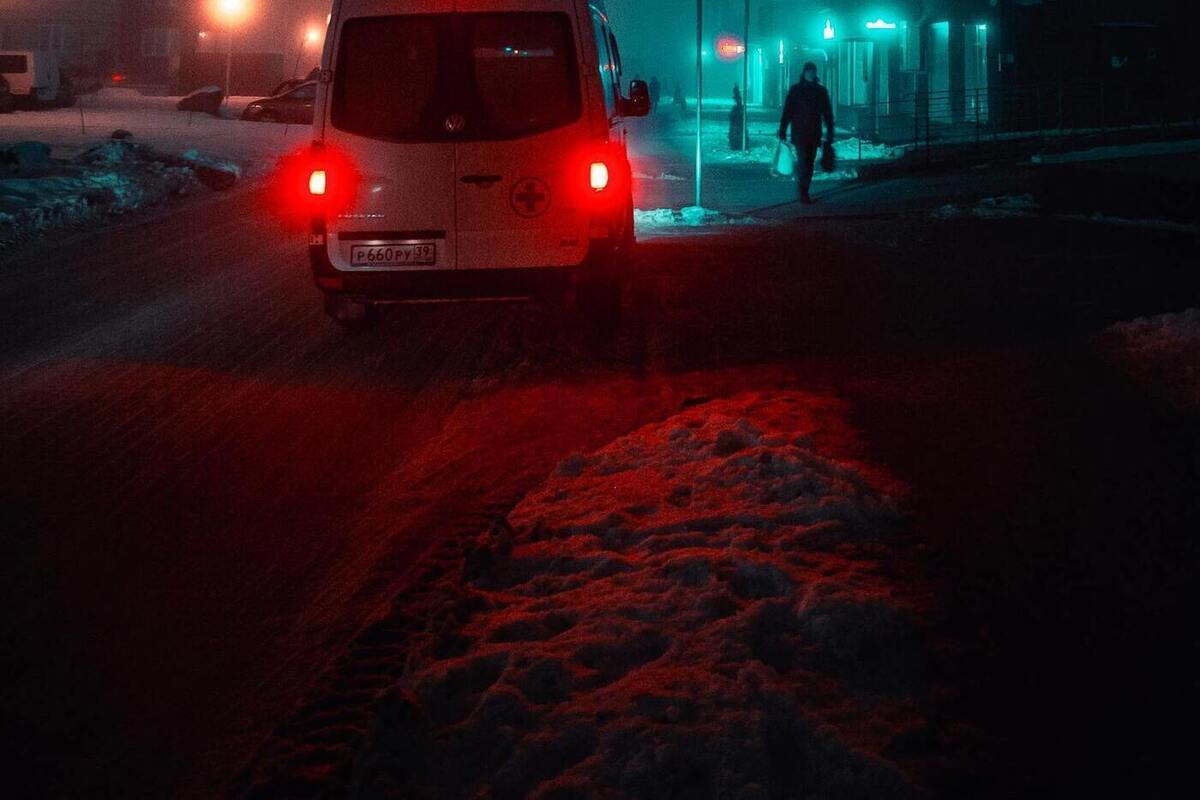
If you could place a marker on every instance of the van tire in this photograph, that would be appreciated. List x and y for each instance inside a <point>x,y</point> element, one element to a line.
<point>350,314</point>
<point>599,287</point>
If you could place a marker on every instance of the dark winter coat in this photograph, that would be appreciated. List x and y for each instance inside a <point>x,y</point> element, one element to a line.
<point>806,107</point>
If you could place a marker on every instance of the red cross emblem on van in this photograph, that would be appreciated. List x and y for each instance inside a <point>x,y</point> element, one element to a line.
<point>530,197</point>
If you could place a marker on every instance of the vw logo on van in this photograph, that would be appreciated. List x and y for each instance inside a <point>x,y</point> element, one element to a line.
<point>455,123</point>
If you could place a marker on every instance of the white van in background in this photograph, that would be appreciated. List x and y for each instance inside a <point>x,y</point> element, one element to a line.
<point>33,76</point>
<point>472,149</point>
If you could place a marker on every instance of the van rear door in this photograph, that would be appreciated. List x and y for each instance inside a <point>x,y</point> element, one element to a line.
<point>387,108</point>
<point>521,103</point>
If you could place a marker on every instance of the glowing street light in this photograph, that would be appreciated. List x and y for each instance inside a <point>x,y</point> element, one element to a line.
<point>829,32</point>
<point>230,12</point>
<point>311,37</point>
<point>880,25</point>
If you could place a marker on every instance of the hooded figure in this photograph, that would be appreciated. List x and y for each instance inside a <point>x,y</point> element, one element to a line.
<point>806,108</point>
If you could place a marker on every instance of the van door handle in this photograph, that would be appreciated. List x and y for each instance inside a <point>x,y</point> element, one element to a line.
<point>482,180</point>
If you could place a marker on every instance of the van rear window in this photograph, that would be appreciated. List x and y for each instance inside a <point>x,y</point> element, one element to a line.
<point>508,75</point>
<point>14,65</point>
<point>524,71</point>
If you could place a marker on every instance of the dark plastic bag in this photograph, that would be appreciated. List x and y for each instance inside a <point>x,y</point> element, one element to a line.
<point>828,157</point>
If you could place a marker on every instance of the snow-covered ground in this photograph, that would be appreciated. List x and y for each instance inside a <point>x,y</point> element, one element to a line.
<point>1003,207</point>
<point>663,221</point>
<point>89,176</point>
<point>711,606</point>
<point>39,193</point>
<point>154,120</point>
<point>1143,150</point>
<point>1162,353</point>
<point>1026,205</point>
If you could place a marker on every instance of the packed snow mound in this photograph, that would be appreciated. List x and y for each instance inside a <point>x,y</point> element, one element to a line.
<point>1162,352</point>
<point>991,208</point>
<point>705,608</point>
<point>852,149</point>
<point>664,220</point>
<point>39,193</point>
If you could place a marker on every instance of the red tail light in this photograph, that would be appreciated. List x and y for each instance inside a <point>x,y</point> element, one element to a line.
<point>317,183</point>
<point>598,176</point>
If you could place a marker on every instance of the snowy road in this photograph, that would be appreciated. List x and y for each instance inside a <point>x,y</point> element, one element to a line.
<point>208,490</point>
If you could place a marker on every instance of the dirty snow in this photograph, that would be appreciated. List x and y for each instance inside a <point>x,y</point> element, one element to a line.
<point>851,149</point>
<point>991,208</point>
<point>39,193</point>
<point>661,221</point>
<point>711,606</point>
<point>1161,352</point>
<point>1143,150</point>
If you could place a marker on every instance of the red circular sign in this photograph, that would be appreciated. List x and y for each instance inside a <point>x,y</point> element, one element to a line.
<point>730,47</point>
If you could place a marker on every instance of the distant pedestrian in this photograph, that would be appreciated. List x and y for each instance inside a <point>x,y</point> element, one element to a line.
<point>679,101</point>
<point>655,92</point>
<point>737,120</point>
<point>806,108</point>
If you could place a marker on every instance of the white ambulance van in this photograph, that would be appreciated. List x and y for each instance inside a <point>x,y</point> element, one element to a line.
<point>468,149</point>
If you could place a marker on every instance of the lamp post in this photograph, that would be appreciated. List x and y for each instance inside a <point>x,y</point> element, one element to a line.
<point>230,12</point>
<point>311,36</point>
<point>699,98</point>
<point>746,80</point>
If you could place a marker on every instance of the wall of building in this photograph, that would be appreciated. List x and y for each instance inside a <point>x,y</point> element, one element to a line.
<point>84,32</point>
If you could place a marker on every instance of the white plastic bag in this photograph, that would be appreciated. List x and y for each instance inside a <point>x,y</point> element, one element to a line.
<point>783,165</point>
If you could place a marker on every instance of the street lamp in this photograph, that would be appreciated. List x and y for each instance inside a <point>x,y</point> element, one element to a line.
<point>311,37</point>
<point>230,12</point>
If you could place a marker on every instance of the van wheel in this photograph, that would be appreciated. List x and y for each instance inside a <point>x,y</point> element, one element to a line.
<point>350,314</point>
<point>598,290</point>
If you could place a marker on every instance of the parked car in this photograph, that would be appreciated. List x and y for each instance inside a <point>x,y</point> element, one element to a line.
<point>206,100</point>
<point>33,76</point>
<point>288,85</point>
<point>294,105</point>
<point>7,101</point>
<point>491,149</point>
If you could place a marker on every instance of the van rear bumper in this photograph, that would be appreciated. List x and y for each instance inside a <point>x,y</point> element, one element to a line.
<point>444,284</point>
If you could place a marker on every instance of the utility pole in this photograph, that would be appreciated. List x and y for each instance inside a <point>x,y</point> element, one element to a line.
<point>699,98</point>
<point>229,66</point>
<point>746,81</point>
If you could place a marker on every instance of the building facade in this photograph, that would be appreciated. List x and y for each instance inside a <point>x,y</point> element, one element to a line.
<point>145,40</point>
<point>85,33</point>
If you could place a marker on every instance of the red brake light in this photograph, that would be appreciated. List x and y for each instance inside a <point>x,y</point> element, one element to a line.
<point>598,176</point>
<point>317,183</point>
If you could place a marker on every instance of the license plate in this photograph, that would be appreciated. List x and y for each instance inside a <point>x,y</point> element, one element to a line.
<point>394,255</point>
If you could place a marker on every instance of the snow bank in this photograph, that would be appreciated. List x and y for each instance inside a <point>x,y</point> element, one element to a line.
<point>1161,352</point>
<point>850,149</point>
<point>38,193</point>
<point>1143,150</point>
<point>668,220</point>
<point>707,607</point>
<point>991,208</point>
<point>1026,205</point>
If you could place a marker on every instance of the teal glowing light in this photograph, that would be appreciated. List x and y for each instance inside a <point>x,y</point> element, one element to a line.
<point>829,32</point>
<point>880,25</point>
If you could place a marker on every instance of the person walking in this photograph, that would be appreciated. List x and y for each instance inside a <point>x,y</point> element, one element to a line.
<point>807,106</point>
<point>655,92</point>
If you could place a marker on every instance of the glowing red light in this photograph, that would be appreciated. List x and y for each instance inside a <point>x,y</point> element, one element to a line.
<point>730,47</point>
<point>598,176</point>
<point>316,182</point>
<point>118,77</point>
